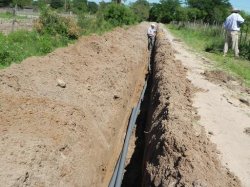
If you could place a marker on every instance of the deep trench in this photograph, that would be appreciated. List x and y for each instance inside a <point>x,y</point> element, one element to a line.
<point>134,170</point>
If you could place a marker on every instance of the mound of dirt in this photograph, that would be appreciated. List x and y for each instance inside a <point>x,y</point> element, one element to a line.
<point>63,116</point>
<point>218,76</point>
<point>224,78</point>
<point>175,153</point>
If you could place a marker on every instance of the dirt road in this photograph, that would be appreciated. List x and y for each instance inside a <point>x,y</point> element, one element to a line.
<point>223,114</point>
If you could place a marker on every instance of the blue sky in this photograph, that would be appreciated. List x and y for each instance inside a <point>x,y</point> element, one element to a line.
<point>241,4</point>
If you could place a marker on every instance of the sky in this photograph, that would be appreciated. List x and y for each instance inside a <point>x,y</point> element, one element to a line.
<point>241,4</point>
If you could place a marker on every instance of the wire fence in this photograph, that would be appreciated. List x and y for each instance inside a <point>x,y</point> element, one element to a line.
<point>12,19</point>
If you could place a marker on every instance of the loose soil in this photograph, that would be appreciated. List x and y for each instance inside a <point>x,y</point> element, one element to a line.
<point>175,153</point>
<point>64,115</point>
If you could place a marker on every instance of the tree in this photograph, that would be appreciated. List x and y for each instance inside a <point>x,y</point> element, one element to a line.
<point>79,6</point>
<point>4,3</point>
<point>118,14</point>
<point>56,3</point>
<point>165,12</point>
<point>211,10</point>
<point>141,9</point>
<point>181,14</point>
<point>92,7</point>
<point>21,3</point>
<point>154,12</point>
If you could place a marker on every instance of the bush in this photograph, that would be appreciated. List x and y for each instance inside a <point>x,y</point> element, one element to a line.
<point>93,24</point>
<point>51,23</point>
<point>118,15</point>
<point>108,16</point>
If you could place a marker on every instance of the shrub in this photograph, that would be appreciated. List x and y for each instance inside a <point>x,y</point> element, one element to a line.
<point>50,22</point>
<point>93,24</point>
<point>119,15</point>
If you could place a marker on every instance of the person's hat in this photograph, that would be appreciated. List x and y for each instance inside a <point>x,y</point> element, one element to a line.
<point>235,10</point>
<point>152,24</point>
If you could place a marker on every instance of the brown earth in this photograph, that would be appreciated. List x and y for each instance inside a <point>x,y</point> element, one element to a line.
<point>63,116</point>
<point>224,78</point>
<point>175,153</point>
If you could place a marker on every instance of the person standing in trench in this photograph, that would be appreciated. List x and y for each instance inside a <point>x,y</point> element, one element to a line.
<point>232,27</point>
<point>151,36</point>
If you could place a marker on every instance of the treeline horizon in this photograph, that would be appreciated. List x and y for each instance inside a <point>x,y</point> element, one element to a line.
<point>166,11</point>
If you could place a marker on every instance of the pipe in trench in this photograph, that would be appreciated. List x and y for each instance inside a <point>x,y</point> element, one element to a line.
<point>117,177</point>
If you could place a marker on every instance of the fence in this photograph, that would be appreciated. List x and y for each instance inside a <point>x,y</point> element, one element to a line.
<point>217,30</point>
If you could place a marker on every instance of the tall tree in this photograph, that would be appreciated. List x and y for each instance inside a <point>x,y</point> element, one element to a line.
<point>92,7</point>
<point>211,10</point>
<point>141,9</point>
<point>56,3</point>
<point>4,3</point>
<point>21,3</point>
<point>79,6</point>
<point>167,11</point>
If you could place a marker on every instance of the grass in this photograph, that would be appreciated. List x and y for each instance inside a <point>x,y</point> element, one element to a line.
<point>209,43</point>
<point>50,32</point>
<point>22,44</point>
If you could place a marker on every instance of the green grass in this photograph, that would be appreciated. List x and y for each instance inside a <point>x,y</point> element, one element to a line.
<point>22,44</point>
<point>203,40</point>
<point>51,31</point>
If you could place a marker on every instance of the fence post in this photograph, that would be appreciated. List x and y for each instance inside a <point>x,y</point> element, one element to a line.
<point>14,18</point>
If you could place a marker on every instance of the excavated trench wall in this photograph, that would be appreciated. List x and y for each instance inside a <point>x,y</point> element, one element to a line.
<point>175,153</point>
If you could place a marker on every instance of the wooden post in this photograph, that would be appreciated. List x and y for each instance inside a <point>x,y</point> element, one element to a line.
<point>14,18</point>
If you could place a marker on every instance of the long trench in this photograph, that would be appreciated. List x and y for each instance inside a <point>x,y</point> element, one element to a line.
<point>133,171</point>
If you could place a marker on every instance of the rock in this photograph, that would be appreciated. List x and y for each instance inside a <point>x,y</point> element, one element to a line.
<point>244,101</point>
<point>199,183</point>
<point>116,97</point>
<point>247,131</point>
<point>61,83</point>
<point>211,133</point>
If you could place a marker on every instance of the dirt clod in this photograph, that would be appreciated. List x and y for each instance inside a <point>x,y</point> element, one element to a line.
<point>61,83</point>
<point>218,76</point>
<point>244,101</point>
<point>211,133</point>
<point>247,131</point>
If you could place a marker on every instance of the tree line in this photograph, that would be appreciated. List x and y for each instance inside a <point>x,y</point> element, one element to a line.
<point>208,11</point>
